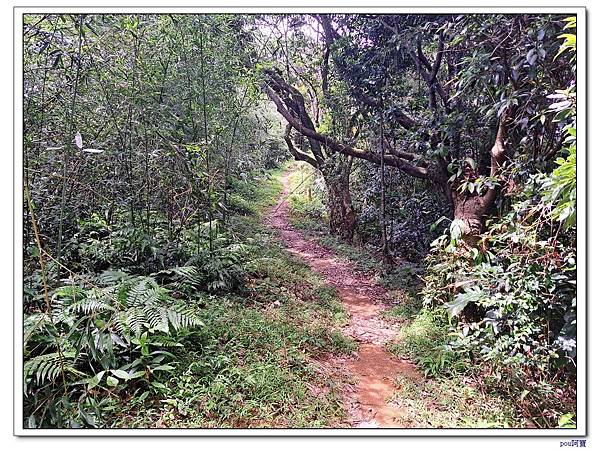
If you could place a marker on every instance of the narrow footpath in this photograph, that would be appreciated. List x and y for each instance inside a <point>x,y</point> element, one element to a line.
<point>372,368</point>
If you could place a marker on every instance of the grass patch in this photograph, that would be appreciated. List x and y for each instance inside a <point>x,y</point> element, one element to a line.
<point>424,340</point>
<point>247,369</point>
<point>452,393</point>
<point>452,403</point>
<point>401,313</point>
<point>363,260</point>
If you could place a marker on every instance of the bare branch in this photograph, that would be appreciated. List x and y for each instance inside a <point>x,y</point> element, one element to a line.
<point>339,147</point>
<point>297,154</point>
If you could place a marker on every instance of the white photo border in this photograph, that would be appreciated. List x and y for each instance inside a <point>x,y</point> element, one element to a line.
<point>582,387</point>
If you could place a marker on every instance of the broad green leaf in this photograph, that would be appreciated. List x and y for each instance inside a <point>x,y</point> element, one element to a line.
<point>95,380</point>
<point>120,374</point>
<point>456,228</point>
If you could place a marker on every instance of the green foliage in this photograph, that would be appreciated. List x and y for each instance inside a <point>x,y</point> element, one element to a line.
<point>411,208</point>
<point>222,271</point>
<point>125,247</point>
<point>454,402</point>
<point>251,365</point>
<point>307,214</point>
<point>154,296</point>
<point>245,359</point>
<point>569,43</point>
<point>511,299</point>
<point>245,369</point>
<point>560,188</point>
<point>425,341</point>
<point>307,200</point>
<point>116,328</point>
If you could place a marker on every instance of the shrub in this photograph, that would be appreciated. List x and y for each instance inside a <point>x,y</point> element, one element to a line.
<point>95,343</point>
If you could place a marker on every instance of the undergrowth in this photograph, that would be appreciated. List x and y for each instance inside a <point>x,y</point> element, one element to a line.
<point>454,391</point>
<point>240,355</point>
<point>452,402</point>
<point>251,364</point>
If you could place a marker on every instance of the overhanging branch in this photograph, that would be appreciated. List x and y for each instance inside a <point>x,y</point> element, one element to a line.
<point>297,154</point>
<point>339,147</point>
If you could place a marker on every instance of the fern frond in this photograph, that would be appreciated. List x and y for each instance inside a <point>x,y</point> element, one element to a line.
<point>145,291</point>
<point>135,320</point>
<point>95,300</point>
<point>33,324</point>
<point>48,366</point>
<point>181,317</point>
<point>111,277</point>
<point>158,318</point>
<point>186,274</point>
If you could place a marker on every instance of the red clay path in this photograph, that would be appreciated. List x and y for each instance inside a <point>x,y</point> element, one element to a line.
<point>372,368</point>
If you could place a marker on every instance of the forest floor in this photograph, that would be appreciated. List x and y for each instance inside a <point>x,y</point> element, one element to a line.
<point>374,370</point>
<point>317,338</point>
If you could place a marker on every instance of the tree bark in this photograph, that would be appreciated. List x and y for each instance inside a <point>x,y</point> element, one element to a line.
<point>469,212</point>
<point>342,217</point>
<point>471,209</point>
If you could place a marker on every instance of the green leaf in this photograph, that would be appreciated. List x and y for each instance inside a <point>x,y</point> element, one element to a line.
<point>95,380</point>
<point>566,421</point>
<point>120,374</point>
<point>456,228</point>
<point>112,381</point>
<point>164,367</point>
<point>138,374</point>
<point>455,308</point>
<point>435,224</point>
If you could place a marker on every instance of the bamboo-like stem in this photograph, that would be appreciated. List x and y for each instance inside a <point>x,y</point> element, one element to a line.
<point>207,149</point>
<point>38,242</point>
<point>66,154</point>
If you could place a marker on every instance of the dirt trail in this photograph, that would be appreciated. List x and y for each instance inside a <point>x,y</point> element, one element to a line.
<point>372,367</point>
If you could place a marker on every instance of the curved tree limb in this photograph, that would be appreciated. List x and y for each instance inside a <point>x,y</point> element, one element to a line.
<point>297,154</point>
<point>339,147</point>
<point>498,154</point>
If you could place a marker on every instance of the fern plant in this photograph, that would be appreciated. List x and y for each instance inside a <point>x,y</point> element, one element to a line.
<point>223,270</point>
<point>118,327</point>
<point>125,305</point>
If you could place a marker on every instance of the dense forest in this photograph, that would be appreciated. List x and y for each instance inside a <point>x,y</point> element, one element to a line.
<point>299,220</point>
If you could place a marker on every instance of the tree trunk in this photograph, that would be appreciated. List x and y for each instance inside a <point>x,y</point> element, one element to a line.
<point>470,210</point>
<point>342,217</point>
